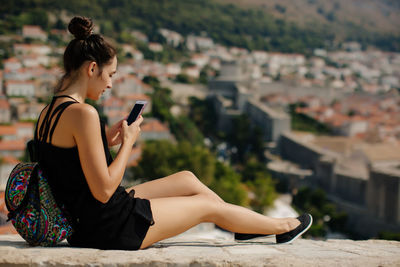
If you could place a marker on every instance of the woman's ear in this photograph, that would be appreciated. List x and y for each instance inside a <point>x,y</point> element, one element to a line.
<point>91,68</point>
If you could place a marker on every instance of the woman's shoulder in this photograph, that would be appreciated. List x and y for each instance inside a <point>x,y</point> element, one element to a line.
<point>83,109</point>
<point>82,112</point>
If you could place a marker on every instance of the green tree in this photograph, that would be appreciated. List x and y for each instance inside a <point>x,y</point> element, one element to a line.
<point>162,158</point>
<point>203,115</point>
<point>183,78</point>
<point>326,217</point>
<point>228,186</point>
<point>152,81</point>
<point>155,160</point>
<point>240,135</point>
<point>162,103</point>
<point>184,129</point>
<point>263,188</point>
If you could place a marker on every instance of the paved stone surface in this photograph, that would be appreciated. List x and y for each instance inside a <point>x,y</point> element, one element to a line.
<point>193,251</point>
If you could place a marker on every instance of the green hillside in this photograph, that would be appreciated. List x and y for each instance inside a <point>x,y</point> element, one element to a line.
<point>342,16</point>
<point>228,24</point>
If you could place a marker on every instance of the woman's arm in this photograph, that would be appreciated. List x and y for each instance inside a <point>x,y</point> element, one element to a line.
<point>103,180</point>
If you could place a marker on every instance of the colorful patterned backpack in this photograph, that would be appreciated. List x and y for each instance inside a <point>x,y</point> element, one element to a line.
<point>32,208</point>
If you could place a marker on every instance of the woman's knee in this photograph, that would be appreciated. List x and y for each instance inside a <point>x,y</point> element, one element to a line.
<point>199,187</point>
<point>190,179</point>
<point>188,175</point>
<point>209,208</point>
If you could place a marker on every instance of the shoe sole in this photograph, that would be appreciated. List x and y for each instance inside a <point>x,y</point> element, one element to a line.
<point>299,234</point>
<point>253,239</point>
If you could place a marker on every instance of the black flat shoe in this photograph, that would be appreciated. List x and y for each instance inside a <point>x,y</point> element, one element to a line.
<point>244,237</point>
<point>288,237</point>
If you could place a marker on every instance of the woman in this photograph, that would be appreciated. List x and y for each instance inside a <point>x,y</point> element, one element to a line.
<point>73,150</point>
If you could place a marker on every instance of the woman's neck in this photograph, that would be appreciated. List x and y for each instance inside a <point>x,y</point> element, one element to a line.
<point>77,90</point>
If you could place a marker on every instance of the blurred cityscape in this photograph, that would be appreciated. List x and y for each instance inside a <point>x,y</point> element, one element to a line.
<point>350,95</point>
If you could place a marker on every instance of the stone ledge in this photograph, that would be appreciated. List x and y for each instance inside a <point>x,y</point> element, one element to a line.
<point>193,251</point>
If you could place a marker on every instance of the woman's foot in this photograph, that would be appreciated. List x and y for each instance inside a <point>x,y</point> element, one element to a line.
<point>289,237</point>
<point>287,225</point>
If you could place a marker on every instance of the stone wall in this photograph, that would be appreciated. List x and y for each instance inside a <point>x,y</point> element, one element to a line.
<point>298,152</point>
<point>200,251</point>
<point>271,122</point>
<point>372,201</point>
<point>384,195</point>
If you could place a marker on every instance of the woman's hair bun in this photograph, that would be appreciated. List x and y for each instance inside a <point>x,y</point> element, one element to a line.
<point>81,27</point>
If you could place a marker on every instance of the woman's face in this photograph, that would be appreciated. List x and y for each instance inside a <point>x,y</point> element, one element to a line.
<point>101,81</point>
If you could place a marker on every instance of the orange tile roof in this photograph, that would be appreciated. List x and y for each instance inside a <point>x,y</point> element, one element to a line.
<point>11,60</point>
<point>12,145</point>
<point>127,77</point>
<point>137,97</point>
<point>24,124</point>
<point>154,126</point>
<point>8,130</point>
<point>18,82</point>
<point>112,101</point>
<point>338,119</point>
<point>10,160</point>
<point>358,118</point>
<point>4,104</point>
<point>32,29</point>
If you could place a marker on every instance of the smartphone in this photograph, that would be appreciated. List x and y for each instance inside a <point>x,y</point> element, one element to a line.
<point>136,111</point>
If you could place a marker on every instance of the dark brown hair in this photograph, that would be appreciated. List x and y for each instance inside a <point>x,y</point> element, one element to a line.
<point>85,47</point>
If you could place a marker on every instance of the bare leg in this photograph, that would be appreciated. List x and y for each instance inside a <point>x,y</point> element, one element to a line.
<point>183,183</point>
<point>174,215</point>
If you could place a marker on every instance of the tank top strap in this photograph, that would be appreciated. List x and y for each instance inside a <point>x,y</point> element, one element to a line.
<point>59,110</point>
<point>45,129</point>
<point>46,117</point>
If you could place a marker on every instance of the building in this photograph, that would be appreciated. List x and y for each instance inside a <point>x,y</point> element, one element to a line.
<point>20,88</point>
<point>130,84</point>
<point>28,110</point>
<point>14,148</point>
<point>384,193</point>
<point>156,47</point>
<point>29,49</point>
<point>272,123</point>
<point>173,38</point>
<point>34,32</point>
<point>140,36</point>
<point>112,104</point>
<point>200,60</point>
<point>192,72</point>
<point>153,129</point>
<point>12,64</point>
<point>194,43</point>
<point>361,179</point>
<point>5,112</point>
<point>231,97</point>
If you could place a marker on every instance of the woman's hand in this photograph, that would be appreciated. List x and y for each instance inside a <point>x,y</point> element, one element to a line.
<point>130,133</point>
<point>114,134</point>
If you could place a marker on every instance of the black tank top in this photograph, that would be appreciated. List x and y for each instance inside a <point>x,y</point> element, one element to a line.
<point>121,223</point>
